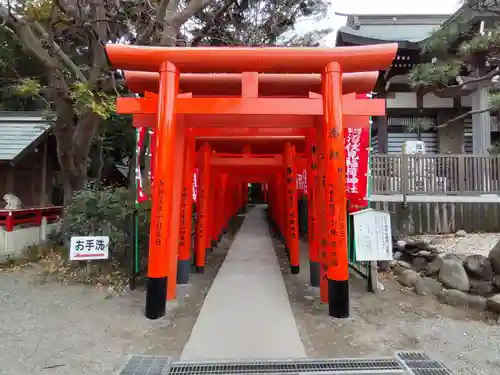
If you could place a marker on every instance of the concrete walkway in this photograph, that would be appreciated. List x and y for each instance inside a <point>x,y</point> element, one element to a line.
<point>247,314</point>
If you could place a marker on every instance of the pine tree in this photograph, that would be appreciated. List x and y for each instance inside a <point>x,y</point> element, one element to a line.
<point>462,57</point>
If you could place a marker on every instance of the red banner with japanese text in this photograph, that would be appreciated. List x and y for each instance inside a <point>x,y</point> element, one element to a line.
<point>357,153</point>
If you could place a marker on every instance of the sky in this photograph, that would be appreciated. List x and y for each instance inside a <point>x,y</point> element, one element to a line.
<point>378,7</point>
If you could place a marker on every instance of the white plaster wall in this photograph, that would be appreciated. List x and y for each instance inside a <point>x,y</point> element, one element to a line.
<point>466,101</point>
<point>402,100</point>
<point>432,101</point>
<point>13,243</point>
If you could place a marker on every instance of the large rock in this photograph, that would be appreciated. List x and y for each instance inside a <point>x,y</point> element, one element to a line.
<point>461,233</point>
<point>480,287</point>
<point>496,282</point>
<point>434,267</point>
<point>453,276</point>
<point>494,258</point>
<point>398,270</point>
<point>422,244</point>
<point>461,299</point>
<point>419,264</point>
<point>493,303</point>
<point>408,278</point>
<point>426,286</point>
<point>404,264</point>
<point>479,266</point>
<point>401,245</point>
<point>456,257</point>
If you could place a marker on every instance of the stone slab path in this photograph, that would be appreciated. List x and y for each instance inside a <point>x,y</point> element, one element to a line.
<point>246,313</point>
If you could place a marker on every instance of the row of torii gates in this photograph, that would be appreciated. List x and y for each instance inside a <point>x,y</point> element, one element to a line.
<point>248,115</point>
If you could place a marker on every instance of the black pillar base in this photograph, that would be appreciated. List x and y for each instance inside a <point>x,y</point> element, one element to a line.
<point>294,270</point>
<point>183,267</point>
<point>200,269</point>
<point>314,273</point>
<point>214,243</point>
<point>156,297</point>
<point>220,237</point>
<point>338,298</point>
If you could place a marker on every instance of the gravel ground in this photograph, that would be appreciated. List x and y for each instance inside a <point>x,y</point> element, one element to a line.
<point>472,243</point>
<point>75,330</point>
<point>465,340</point>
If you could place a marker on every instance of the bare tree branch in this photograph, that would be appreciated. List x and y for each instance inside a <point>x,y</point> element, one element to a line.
<point>468,86</point>
<point>56,49</point>
<point>463,116</point>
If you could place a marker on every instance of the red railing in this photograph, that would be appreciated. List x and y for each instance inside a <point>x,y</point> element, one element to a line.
<point>10,218</point>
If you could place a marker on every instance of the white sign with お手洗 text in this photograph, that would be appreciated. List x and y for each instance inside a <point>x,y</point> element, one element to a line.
<point>89,248</point>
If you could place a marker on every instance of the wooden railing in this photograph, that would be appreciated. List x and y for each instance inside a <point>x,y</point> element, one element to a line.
<point>435,174</point>
<point>28,217</point>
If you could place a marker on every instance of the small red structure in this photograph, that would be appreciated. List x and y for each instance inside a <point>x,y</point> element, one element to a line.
<point>28,216</point>
<point>249,115</point>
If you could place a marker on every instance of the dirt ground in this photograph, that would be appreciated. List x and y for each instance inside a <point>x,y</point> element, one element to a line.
<point>76,330</point>
<point>467,341</point>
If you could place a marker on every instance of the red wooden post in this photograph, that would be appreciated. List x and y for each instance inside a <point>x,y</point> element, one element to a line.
<point>320,188</point>
<point>9,222</point>
<point>186,221</point>
<point>336,208</point>
<point>312,174</point>
<point>202,228</point>
<point>292,233</point>
<point>159,249</point>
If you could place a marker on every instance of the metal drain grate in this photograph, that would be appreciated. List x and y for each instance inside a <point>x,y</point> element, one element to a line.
<point>146,365</point>
<point>410,363</point>
<point>418,363</point>
<point>334,366</point>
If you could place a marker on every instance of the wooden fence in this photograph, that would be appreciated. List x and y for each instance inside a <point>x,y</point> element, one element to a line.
<point>461,174</point>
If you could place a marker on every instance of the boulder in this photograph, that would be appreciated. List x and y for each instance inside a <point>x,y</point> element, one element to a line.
<point>496,282</point>
<point>419,264</point>
<point>434,267</point>
<point>398,270</point>
<point>493,303</point>
<point>426,286</point>
<point>480,287</point>
<point>401,245</point>
<point>494,258</point>
<point>404,264</point>
<point>411,245</point>
<point>479,266</point>
<point>425,253</point>
<point>456,257</point>
<point>408,278</point>
<point>397,255</point>
<point>461,299</point>
<point>422,244</point>
<point>453,276</point>
<point>461,233</point>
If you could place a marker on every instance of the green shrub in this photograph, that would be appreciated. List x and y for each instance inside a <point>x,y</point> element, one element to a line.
<point>107,212</point>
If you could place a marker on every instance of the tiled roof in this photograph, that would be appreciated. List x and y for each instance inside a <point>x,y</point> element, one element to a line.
<point>18,131</point>
<point>397,28</point>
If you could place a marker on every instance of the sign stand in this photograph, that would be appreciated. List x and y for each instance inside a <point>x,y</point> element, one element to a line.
<point>372,241</point>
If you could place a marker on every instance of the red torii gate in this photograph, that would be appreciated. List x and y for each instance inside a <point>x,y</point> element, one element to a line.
<point>251,115</point>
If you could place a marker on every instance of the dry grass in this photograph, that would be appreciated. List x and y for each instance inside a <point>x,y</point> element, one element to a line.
<point>53,265</point>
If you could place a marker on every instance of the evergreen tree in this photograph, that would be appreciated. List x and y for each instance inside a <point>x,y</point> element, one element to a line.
<point>462,57</point>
